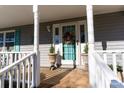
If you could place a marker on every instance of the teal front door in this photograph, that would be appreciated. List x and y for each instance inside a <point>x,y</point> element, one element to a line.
<point>69,47</point>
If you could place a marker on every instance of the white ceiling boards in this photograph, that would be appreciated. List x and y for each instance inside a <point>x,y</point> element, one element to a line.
<point>15,15</point>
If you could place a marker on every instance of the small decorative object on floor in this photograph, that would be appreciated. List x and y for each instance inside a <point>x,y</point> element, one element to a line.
<point>85,55</point>
<point>52,57</point>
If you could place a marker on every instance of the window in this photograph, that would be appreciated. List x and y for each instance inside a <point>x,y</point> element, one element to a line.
<point>7,41</point>
<point>82,34</point>
<point>1,41</point>
<point>56,31</point>
<point>56,36</point>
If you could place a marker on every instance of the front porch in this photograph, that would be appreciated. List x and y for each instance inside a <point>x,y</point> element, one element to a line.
<point>24,67</point>
<point>64,78</point>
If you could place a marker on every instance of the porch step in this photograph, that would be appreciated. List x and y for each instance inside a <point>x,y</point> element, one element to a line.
<point>67,66</point>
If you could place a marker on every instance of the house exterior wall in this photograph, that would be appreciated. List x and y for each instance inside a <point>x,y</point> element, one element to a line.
<point>109,33</point>
<point>44,42</point>
<point>108,29</point>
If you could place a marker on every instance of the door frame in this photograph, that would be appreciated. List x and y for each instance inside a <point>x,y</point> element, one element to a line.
<point>81,46</point>
<point>68,24</point>
<point>59,46</point>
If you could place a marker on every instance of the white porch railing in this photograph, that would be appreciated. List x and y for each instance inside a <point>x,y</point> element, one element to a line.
<point>103,73</point>
<point>7,58</point>
<point>19,68</point>
<point>113,57</point>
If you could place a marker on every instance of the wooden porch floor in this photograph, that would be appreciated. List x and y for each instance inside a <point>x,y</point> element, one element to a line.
<point>64,78</point>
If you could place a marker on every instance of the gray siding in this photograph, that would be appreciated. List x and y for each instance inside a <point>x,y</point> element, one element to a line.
<point>109,31</point>
<point>44,42</point>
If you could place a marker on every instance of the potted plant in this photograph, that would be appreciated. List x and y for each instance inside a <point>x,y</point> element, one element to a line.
<point>52,57</point>
<point>85,55</point>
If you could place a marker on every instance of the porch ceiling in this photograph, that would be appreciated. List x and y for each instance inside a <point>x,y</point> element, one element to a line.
<point>14,15</point>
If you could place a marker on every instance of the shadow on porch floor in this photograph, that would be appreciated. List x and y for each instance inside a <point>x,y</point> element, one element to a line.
<point>64,78</point>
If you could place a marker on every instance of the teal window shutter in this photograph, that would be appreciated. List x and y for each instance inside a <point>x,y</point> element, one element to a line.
<point>17,40</point>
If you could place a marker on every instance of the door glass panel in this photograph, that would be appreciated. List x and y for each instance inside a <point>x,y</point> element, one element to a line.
<point>82,34</point>
<point>69,50</point>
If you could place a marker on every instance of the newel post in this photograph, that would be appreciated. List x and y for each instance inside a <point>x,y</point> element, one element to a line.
<point>91,61</point>
<point>36,45</point>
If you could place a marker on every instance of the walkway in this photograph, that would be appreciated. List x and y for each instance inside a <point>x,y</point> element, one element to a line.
<point>64,78</point>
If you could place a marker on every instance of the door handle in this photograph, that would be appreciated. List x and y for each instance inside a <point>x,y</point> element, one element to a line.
<point>77,42</point>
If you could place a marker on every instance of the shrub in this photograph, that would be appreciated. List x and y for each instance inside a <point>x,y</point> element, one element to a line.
<point>86,48</point>
<point>119,68</point>
<point>52,49</point>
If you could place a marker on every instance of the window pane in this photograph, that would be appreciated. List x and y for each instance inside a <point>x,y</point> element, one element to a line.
<point>1,46</point>
<point>1,37</point>
<point>82,33</point>
<point>56,31</point>
<point>9,46</point>
<point>10,36</point>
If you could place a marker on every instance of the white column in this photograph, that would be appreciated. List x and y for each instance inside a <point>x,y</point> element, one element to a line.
<point>91,61</point>
<point>36,45</point>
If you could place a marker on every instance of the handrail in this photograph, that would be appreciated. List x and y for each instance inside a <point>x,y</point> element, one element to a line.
<point>7,68</point>
<point>109,51</point>
<point>105,72</point>
<point>113,57</point>
<point>4,52</point>
<point>104,67</point>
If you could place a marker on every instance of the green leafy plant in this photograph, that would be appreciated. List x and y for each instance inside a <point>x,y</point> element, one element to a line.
<point>52,49</point>
<point>86,48</point>
<point>119,68</point>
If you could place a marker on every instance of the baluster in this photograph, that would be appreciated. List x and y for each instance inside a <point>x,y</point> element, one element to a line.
<point>18,76</point>
<point>19,56</point>
<point>96,78</point>
<point>10,79</point>
<point>2,81</point>
<point>11,59</point>
<point>99,77</point>
<point>103,79</point>
<point>33,70</point>
<point>29,73</point>
<point>7,63</point>
<point>0,61</point>
<point>7,59</point>
<point>24,75</point>
<point>123,65</point>
<point>105,57</point>
<point>4,63</point>
<point>107,83</point>
<point>114,63</point>
<point>15,59</point>
<point>24,54</point>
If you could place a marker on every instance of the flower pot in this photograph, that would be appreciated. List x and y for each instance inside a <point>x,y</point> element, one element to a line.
<point>52,58</point>
<point>85,59</point>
